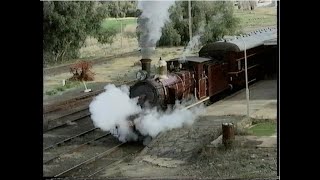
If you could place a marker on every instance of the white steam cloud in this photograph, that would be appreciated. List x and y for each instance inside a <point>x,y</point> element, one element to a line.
<point>155,122</point>
<point>113,107</point>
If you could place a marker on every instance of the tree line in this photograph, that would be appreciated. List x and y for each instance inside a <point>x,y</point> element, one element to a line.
<point>66,24</point>
<point>210,19</point>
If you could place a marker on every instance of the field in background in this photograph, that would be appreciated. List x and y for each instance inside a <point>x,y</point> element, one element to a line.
<point>260,17</point>
<point>114,23</point>
<point>122,43</point>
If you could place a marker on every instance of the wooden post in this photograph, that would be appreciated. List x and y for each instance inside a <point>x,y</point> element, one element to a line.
<point>227,134</point>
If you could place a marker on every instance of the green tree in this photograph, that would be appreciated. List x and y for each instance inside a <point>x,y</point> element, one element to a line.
<point>170,36</point>
<point>67,24</point>
<point>119,9</point>
<point>215,17</point>
<point>219,21</point>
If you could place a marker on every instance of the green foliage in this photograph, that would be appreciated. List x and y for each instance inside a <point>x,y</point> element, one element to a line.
<point>68,85</point>
<point>120,9</point>
<point>170,36</point>
<point>67,24</point>
<point>106,35</point>
<point>214,18</point>
<point>51,92</point>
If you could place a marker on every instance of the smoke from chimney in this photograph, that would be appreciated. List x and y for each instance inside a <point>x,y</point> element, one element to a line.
<point>150,23</point>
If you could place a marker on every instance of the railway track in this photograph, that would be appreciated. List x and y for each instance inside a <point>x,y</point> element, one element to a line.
<point>66,119</point>
<point>93,145</point>
<point>69,139</point>
<point>92,163</point>
<point>77,100</point>
<point>62,134</point>
<point>72,149</point>
<point>53,118</point>
<point>123,153</point>
<point>78,155</point>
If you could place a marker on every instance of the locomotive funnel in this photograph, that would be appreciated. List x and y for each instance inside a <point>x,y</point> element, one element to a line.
<point>146,53</point>
<point>146,65</point>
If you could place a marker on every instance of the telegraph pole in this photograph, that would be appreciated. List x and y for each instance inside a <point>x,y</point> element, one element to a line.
<point>190,22</point>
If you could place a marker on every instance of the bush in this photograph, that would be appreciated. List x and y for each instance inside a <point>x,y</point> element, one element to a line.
<point>210,20</point>
<point>170,36</point>
<point>51,92</point>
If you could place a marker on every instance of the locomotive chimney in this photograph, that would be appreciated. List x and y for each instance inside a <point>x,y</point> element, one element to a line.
<point>146,61</point>
<point>146,65</point>
<point>162,69</point>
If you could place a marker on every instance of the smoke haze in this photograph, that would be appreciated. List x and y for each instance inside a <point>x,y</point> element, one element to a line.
<point>193,44</point>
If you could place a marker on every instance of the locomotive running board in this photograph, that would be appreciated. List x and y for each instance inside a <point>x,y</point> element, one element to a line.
<point>196,103</point>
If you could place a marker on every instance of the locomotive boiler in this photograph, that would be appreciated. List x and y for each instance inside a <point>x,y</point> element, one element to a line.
<point>164,88</point>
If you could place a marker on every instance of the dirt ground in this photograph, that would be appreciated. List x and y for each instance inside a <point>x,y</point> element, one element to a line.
<point>193,154</point>
<point>245,160</point>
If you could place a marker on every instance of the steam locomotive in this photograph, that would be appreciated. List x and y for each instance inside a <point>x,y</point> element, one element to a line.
<point>220,66</point>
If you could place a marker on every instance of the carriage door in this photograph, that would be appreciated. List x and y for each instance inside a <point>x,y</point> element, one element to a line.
<point>202,83</point>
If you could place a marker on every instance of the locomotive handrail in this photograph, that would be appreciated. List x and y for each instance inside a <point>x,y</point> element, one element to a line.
<point>247,56</point>
<point>237,72</point>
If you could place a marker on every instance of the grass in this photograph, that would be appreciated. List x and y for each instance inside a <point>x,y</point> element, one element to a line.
<point>113,23</point>
<point>68,85</point>
<point>263,129</point>
<point>260,17</point>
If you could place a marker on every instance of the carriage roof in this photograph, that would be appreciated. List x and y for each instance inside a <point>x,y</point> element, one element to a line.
<point>196,59</point>
<point>252,39</point>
